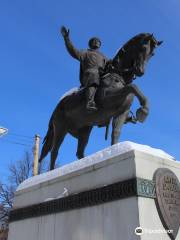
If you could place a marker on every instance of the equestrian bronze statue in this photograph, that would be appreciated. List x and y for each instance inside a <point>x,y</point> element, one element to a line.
<point>109,101</point>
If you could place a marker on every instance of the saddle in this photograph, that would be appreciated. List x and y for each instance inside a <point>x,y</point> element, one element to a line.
<point>112,80</point>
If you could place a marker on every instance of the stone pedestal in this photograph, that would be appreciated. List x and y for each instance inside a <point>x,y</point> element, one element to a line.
<point>105,196</point>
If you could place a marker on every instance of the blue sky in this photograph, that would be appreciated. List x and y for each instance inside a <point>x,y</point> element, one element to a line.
<point>35,68</point>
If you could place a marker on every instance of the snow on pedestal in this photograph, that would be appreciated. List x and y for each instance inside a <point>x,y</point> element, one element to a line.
<point>100,156</point>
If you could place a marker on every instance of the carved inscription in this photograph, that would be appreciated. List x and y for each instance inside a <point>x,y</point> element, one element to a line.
<point>168,200</point>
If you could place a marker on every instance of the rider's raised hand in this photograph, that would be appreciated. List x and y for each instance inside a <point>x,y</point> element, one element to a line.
<point>64,32</point>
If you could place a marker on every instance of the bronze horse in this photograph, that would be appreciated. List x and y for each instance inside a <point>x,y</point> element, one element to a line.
<point>114,99</point>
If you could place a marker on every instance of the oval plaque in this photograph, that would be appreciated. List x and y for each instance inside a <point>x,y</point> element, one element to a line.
<point>168,200</point>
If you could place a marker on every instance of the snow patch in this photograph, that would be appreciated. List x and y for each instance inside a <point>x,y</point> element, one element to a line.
<point>72,90</point>
<point>110,152</point>
<point>65,193</point>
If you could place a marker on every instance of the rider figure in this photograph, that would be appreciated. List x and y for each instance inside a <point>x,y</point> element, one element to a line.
<point>91,62</point>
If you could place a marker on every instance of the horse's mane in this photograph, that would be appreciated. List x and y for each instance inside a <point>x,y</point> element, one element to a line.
<point>132,42</point>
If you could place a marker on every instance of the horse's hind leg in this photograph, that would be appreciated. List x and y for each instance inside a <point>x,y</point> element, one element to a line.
<point>57,141</point>
<point>44,152</point>
<point>83,138</point>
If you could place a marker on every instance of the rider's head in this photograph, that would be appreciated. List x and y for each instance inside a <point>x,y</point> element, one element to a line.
<point>94,43</point>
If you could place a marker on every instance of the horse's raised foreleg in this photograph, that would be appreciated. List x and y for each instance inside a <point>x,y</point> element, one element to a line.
<point>132,88</point>
<point>83,138</point>
<point>112,94</point>
<point>59,134</point>
<point>118,121</point>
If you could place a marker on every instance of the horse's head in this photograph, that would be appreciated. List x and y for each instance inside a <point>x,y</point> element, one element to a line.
<point>143,52</point>
<point>135,54</point>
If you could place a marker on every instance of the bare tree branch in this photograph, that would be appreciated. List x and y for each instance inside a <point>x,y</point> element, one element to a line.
<point>18,172</point>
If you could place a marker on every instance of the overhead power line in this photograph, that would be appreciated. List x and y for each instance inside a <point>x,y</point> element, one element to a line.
<point>19,135</point>
<point>17,143</point>
<point>18,139</point>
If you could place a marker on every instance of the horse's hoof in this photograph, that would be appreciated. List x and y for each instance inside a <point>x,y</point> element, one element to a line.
<point>80,156</point>
<point>131,120</point>
<point>141,114</point>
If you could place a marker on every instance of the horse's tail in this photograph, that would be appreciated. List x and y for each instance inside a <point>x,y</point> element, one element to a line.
<point>47,142</point>
<point>107,130</point>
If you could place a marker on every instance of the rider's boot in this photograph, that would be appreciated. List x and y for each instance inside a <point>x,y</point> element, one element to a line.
<point>90,94</point>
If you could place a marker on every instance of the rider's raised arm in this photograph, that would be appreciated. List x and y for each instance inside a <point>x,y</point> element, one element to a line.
<point>75,53</point>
